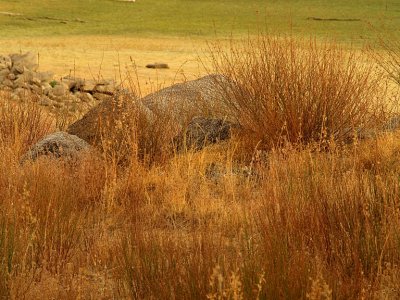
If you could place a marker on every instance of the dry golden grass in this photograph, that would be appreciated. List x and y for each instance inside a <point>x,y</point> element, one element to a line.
<point>293,223</point>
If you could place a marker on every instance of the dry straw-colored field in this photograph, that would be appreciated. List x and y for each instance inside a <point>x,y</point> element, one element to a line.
<point>303,202</point>
<point>295,206</point>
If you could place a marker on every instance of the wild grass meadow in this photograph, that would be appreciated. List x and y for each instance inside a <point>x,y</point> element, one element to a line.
<point>303,202</point>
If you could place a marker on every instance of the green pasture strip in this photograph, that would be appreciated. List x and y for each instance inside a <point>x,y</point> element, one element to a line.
<point>343,20</point>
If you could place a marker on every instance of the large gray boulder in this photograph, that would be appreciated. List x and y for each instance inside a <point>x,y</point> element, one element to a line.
<point>184,101</point>
<point>110,119</point>
<point>194,108</point>
<point>57,145</point>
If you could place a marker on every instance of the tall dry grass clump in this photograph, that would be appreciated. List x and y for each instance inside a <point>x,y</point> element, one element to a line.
<point>285,89</point>
<point>387,55</point>
<point>22,124</point>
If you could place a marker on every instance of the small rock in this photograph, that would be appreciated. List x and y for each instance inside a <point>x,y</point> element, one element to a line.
<point>5,62</point>
<point>88,87</point>
<point>57,145</point>
<point>45,101</point>
<point>105,89</point>
<point>101,96</point>
<point>19,81</point>
<point>17,70</point>
<point>36,82</point>
<point>59,90</point>
<point>157,66</point>
<point>21,92</point>
<point>35,88</point>
<point>85,97</point>
<point>8,83</point>
<point>4,72</point>
<point>11,76</point>
<point>45,76</point>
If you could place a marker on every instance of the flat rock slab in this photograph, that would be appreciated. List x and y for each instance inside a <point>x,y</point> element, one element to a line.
<point>57,145</point>
<point>157,66</point>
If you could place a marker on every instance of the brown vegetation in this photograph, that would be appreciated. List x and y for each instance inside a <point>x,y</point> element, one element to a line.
<point>290,223</point>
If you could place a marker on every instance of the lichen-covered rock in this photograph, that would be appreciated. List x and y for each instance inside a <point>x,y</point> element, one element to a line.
<point>184,101</point>
<point>57,145</point>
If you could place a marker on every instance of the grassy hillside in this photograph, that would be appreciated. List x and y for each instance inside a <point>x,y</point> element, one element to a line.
<point>345,20</point>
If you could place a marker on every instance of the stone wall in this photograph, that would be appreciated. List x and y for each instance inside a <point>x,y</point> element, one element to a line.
<point>19,74</point>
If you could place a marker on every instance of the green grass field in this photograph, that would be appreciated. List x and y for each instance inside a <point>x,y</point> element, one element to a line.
<point>340,19</point>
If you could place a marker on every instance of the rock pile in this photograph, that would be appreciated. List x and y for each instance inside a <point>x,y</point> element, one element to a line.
<point>19,74</point>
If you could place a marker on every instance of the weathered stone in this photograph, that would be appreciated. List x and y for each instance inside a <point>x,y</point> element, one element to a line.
<point>59,90</point>
<point>105,89</point>
<point>21,92</point>
<point>57,145</point>
<point>5,62</point>
<point>45,101</point>
<point>4,73</point>
<point>109,118</point>
<point>47,90</point>
<point>89,86</point>
<point>101,96</point>
<point>26,78</point>
<point>29,75</point>
<point>8,83</point>
<point>85,97</point>
<point>184,101</point>
<point>36,81</point>
<point>35,88</point>
<point>27,60</point>
<point>11,76</point>
<point>57,99</point>
<point>19,81</point>
<point>176,106</point>
<point>45,76</point>
<point>74,84</point>
<point>17,70</point>
<point>157,66</point>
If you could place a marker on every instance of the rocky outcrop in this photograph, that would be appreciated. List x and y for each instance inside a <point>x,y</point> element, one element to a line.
<point>57,145</point>
<point>19,74</point>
